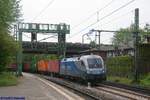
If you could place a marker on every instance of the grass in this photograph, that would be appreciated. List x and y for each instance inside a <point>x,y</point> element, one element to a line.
<point>8,79</point>
<point>144,81</point>
<point>119,79</point>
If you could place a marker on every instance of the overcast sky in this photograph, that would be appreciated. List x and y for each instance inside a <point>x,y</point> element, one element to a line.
<point>75,13</point>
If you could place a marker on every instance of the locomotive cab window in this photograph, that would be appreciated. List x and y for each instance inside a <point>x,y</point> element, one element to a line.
<point>94,63</point>
<point>82,63</point>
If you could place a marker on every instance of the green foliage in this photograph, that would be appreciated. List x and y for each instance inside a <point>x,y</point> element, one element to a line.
<point>144,60</point>
<point>29,57</point>
<point>125,36</point>
<point>92,44</point>
<point>8,49</point>
<point>8,79</point>
<point>147,29</point>
<point>145,81</point>
<point>9,13</point>
<point>119,79</point>
<point>120,66</point>
<point>144,50</point>
<point>50,57</point>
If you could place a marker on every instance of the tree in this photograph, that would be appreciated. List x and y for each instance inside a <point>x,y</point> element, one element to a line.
<point>9,13</point>
<point>124,37</point>
<point>92,44</point>
<point>8,49</point>
<point>147,28</point>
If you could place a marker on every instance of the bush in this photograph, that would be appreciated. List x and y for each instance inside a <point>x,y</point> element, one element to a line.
<point>119,66</point>
<point>9,13</point>
<point>144,60</point>
<point>8,79</point>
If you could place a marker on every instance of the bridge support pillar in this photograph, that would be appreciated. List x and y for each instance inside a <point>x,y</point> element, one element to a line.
<point>19,56</point>
<point>62,41</point>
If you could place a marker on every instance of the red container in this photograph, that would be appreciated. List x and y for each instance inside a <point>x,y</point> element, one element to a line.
<point>46,65</point>
<point>26,67</point>
<point>12,67</point>
<point>53,66</point>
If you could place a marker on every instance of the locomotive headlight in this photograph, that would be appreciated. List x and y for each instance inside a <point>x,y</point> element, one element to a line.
<point>103,71</point>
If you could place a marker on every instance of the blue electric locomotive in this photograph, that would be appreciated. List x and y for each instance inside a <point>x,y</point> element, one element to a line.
<point>87,67</point>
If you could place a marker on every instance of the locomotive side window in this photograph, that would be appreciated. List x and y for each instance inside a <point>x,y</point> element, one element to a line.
<point>94,63</point>
<point>82,63</point>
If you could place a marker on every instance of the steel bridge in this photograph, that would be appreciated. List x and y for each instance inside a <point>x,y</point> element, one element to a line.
<point>52,48</point>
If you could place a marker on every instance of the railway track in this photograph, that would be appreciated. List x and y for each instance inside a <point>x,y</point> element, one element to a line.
<point>128,94</point>
<point>140,90</point>
<point>75,87</point>
<point>104,91</point>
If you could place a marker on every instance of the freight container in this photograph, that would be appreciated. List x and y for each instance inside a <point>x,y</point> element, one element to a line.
<point>26,66</point>
<point>39,66</point>
<point>42,66</point>
<point>53,66</point>
<point>46,65</point>
<point>12,67</point>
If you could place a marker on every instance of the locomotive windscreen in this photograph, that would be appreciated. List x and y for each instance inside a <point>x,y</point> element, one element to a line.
<point>94,63</point>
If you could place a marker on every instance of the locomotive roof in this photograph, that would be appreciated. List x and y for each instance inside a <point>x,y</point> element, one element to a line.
<point>82,57</point>
<point>90,56</point>
<point>71,59</point>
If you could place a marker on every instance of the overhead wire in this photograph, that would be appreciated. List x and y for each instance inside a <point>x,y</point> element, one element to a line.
<point>114,19</point>
<point>47,38</point>
<point>43,10</point>
<point>40,39</point>
<point>117,9</point>
<point>93,14</point>
<point>27,36</point>
<point>123,15</point>
<point>82,30</point>
<point>104,17</point>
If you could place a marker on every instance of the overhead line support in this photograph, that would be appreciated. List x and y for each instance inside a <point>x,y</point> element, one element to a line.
<point>136,44</point>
